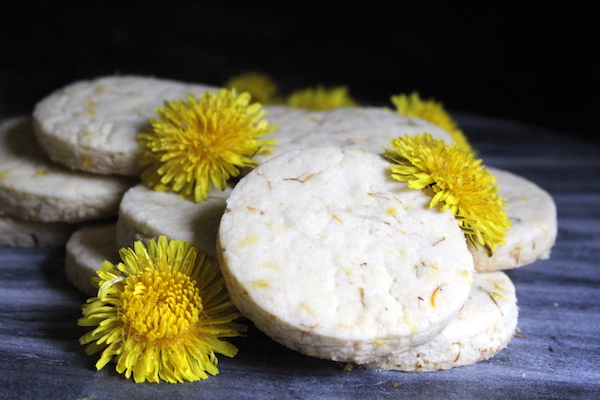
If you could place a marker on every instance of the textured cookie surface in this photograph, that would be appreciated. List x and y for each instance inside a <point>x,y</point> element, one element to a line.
<point>145,214</point>
<point>365,128</point>
<point>86,249</point>
<point>483,327</point>
<point>93,125</point>
<point>32,188</point>
<point>328,255</point>
<point>533,230</point>
<point>18,233</point>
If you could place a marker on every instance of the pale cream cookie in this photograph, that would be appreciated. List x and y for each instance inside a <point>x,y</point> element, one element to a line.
<point>15,232</point>
<point>483,327</point>
<point>533,230</point>
<point>32,188</point>
<point>86,249</point>
<point>92,125</point>
<point>329,256</point>
<point>365,128</point>
<point>146,214</point>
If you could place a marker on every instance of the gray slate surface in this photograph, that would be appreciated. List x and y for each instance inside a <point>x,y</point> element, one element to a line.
<point>558,356</point>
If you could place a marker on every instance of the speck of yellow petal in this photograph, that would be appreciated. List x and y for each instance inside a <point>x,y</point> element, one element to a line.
<point>412,105</point>
<point>270,265</point>
<point>249,240</point>
<point>306,308</point>
<point>261,284</point>
<point>4,174</point>
<point>496,295</point>
<point>434,296</point>
<point>41,172</point>
<point>198,144</point>
<point>338,219</point>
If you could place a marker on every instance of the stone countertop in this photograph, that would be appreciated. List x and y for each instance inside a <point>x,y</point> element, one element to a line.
<point>557,355</point>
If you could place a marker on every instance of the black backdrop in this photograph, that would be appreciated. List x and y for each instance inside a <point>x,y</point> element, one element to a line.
<point>536,65</point>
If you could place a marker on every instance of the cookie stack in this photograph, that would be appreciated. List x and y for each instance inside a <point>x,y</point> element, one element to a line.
<point>319,247</point>
<point>72,160</point>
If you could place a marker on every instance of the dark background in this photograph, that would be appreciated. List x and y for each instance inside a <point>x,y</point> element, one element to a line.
<point>535,65</point>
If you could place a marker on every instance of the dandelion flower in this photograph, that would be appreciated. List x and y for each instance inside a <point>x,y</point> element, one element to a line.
<point>200,143</point>
<point>432,111</point>
<point>321,98</point>
<point>160,313</point>
<point>458,182</point>
<point>261,86</point>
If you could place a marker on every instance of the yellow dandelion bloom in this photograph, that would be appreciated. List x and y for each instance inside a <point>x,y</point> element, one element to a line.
<point>432,111</point>
<point>160,313</point>
<point>321,98</point>
<point>261,86</point>
<point>200,143</point>
<point>459,182</point>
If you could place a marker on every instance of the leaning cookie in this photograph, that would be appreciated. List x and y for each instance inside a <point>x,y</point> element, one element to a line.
<point>32,188</point>
<point>533,230</point>
<point>93,125</point>
<point>86,249</point>
<point>484,326</point>
<point>18,233</point>
<point>146,214</point>
<point>329,256</point>
<point>366,128</point>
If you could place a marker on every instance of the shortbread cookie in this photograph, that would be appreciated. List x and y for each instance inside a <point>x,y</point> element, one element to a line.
<point>533,230</point>
<point>32,188</point>
<point>329,256</point>
<point>483,327</point>
<point>18,233</point>
<point>366,128</point>
<point>93,125</point>
<point>146,214</point>
<point>86,249</point>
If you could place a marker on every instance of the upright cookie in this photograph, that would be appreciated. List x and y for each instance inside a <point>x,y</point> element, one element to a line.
<point>145,214</point>
<point>329,256</point>
<point>93,125</point>
<point>533,230</point>
<point>86,249</point>
<point>483,327</point>
<point>18,233</point>
<point>32,188</point>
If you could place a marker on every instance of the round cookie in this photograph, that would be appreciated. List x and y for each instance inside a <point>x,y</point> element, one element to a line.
<point>145,214</point>
<point>93,125</point>
<point>533,230</point>
<point>483,327</point>
<point>86,249</point>
<point>32,188</point>
<point>18,233</point>
<point>365,128</point>
<point>329,256</point>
